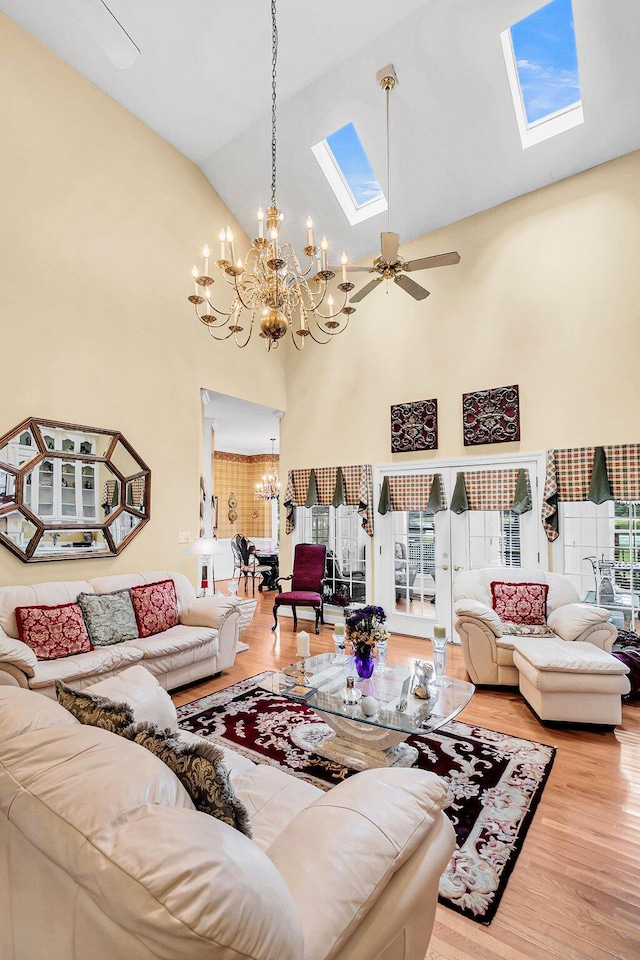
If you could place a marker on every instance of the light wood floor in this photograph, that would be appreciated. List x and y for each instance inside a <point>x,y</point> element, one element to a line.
<point>575,891</point>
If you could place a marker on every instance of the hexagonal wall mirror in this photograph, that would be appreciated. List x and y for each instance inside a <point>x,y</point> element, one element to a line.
<point>69,492</point>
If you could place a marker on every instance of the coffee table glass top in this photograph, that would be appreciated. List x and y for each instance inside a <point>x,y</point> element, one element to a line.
<point>329,678</point>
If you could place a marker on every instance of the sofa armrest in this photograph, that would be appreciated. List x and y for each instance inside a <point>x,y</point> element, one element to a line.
<point>356,837</point>
<point>572,619</point>
<point>228,633</point>
<point>479,611</point>
<point>18,654</point>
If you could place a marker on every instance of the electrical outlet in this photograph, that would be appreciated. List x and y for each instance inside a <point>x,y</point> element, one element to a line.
<point>184,538</point>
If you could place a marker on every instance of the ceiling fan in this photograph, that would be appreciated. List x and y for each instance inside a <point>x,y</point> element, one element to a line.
<point>389,265</point>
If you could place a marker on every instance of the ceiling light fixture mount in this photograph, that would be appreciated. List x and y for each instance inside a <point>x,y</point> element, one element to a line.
<point>270,287</point>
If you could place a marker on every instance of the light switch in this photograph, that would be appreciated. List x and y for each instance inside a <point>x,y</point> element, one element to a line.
<point>184,538</point>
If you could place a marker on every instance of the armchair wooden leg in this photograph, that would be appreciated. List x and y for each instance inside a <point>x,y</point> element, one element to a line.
<point>275,618</point>
<point>318,612</point>
<point>295,618</point>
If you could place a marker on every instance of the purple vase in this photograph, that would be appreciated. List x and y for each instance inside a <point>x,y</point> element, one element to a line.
<point>364,666</point>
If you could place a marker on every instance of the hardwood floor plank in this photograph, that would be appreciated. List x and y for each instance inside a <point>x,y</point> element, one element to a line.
<point>574,893</point>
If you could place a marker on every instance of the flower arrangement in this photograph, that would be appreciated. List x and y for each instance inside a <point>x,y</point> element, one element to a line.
<point>364,629</point>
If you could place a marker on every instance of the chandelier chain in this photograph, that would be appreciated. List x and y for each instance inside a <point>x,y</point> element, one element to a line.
<point>274,64</point>
<point>270,290</point>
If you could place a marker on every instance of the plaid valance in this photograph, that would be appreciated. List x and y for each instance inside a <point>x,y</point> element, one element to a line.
<point>597,474</point>
<point>424,491</point>
<point>352,485</point>
<point>492,490</point>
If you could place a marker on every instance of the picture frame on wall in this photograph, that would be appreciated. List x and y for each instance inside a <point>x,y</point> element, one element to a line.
<point>414,426</point>
<point>491,416</point>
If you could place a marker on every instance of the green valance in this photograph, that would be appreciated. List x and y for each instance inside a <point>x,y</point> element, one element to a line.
<point>331,486</point>
<point>492,490</point>
<point>597,474</point>
<point>424,492</point>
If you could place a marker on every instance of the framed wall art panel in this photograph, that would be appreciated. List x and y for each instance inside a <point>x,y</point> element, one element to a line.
<point>491,416</point>
<point>414,426</point>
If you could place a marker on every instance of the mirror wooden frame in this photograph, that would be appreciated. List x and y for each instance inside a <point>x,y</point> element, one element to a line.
<point>14,501</point>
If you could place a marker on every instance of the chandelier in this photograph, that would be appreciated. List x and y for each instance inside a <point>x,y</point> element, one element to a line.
<point>270,287</point>
<point>269,487</point>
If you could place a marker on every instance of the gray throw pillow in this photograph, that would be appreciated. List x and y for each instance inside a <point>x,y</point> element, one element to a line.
<point>109,617</point>
<point>94,710</point>
<point>200,769</point>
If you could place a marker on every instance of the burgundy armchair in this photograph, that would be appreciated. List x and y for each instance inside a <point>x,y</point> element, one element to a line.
<point>307,582</point>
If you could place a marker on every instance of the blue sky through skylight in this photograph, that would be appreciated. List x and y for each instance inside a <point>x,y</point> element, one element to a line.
<point>544,46</point>
<point>354,165</point>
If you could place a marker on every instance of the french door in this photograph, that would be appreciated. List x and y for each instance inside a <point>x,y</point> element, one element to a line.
<point>419,555</point>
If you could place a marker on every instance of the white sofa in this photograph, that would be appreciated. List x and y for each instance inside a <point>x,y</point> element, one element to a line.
<point>104,855</point>
<point>488,648</point>
<point>177,656</point>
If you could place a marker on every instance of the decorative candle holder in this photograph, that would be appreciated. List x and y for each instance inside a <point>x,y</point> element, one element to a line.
<point>439,644</point>
<point>340,647</point>
<point>304,678</point>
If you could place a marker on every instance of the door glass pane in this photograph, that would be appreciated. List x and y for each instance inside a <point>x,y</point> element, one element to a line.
<point>494,538</point>
<point>414,563</point>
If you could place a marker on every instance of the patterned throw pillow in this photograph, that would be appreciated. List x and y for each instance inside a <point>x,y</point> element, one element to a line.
<point>520,602</point>
<point>527,630</point>
<point>200,769</point>
<point>53,632</point>
<point>155,606</point>
<point>94,710</point>
<point>109,617</point>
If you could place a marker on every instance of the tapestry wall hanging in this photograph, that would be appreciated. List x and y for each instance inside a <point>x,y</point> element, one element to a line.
<point>414,426</point>
<point>491,416</point>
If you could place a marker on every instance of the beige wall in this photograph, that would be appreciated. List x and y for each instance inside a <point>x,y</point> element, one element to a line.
<point>547,296</point>
<point>102,220</point>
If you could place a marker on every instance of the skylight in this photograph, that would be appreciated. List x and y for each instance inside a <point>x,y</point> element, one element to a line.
<point>346,166</point>
<point>542,64</point>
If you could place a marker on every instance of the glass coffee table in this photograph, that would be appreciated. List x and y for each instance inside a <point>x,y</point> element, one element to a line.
<point>356,740</point>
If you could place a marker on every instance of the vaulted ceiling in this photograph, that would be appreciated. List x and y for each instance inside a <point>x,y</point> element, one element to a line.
<point>202,81</point>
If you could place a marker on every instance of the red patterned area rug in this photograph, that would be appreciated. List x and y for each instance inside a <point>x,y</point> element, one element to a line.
<point>495,781</point>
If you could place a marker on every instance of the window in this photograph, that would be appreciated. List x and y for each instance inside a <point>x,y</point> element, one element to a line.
<point>346,166</point>
<point>601,552</point>
<point>340,530</point>
<point>542,65</point>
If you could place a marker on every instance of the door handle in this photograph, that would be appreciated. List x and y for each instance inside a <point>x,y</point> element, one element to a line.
<point>458,568</point>
<point>445,566</point>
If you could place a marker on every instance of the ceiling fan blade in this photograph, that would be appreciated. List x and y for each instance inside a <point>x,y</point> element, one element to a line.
<point>361,294</point>
<point>389,243</point>
<point>413,288</point>
<point>441,260</point>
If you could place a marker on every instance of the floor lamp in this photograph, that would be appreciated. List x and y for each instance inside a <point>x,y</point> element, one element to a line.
<point>205,547</point>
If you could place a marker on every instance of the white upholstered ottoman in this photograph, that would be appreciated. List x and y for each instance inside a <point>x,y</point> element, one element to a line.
<point>570,682</point>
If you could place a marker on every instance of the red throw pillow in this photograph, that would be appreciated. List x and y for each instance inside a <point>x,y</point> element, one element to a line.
<point>524,603</point>
<point>53,632</point>
<point>155,606</point>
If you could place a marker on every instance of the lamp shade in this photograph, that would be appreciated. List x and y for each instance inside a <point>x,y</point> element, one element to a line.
<point>203,547</point>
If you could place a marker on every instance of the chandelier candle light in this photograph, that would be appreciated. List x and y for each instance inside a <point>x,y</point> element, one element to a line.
<point>270,286</point>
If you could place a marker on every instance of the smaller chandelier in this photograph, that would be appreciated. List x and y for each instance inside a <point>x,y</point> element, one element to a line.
<point>269,486</point>
<point>270,288</point>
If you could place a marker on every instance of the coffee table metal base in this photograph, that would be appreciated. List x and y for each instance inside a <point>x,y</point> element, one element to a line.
<point>354,744</point>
